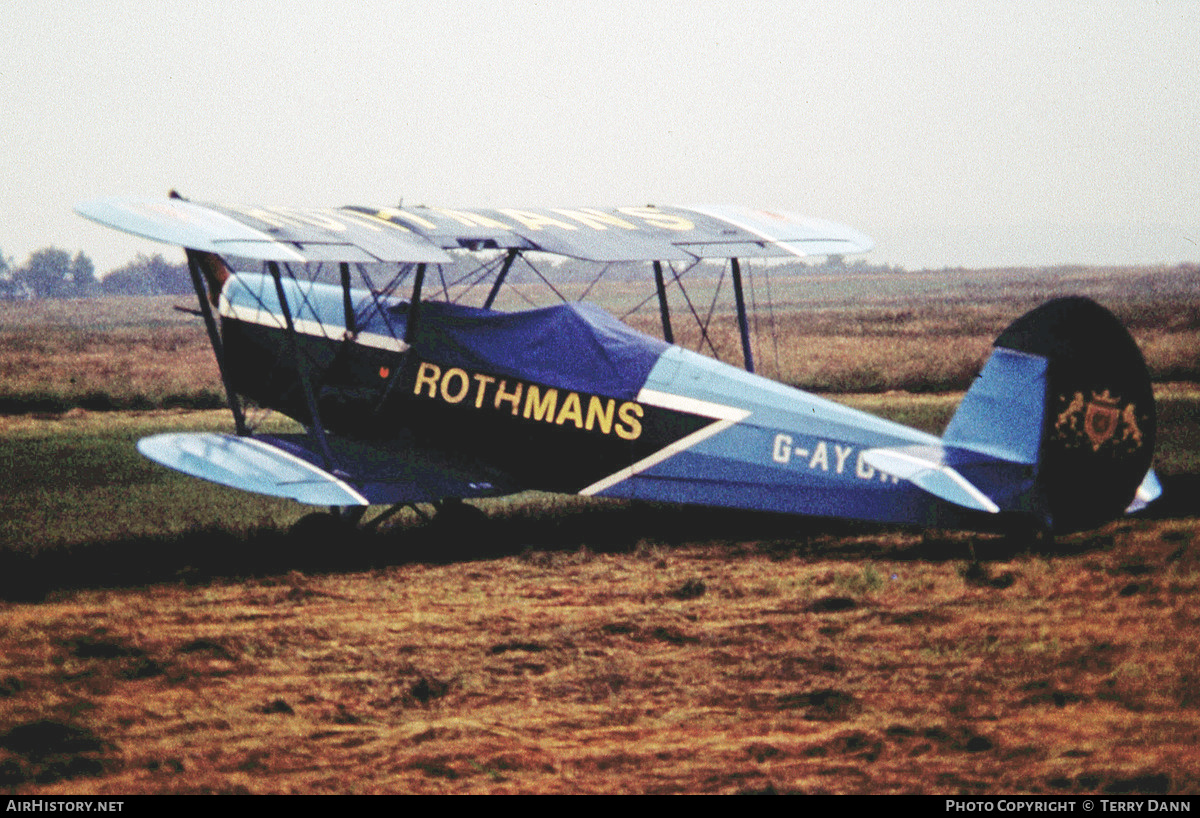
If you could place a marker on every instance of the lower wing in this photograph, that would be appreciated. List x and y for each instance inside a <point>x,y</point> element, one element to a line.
<point>286,466</point>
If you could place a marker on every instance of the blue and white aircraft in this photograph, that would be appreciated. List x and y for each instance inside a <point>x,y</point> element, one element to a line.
<point>409,399</point>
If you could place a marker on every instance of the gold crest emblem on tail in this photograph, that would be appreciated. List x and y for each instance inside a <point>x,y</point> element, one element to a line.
<point>1099,421</point>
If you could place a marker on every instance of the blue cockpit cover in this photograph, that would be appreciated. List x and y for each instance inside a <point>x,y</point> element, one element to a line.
<point>572,346</point>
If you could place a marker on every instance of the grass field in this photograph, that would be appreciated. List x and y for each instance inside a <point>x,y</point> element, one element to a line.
<point>158,634</point>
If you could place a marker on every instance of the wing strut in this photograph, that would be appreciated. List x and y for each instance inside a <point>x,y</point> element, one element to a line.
<point>309,397</point>
<point>508,260</point>
<point>414,307</point>
<point>347,304</point>
<point>743,326</point>
<point>214,338</point>
<point>663,309</point>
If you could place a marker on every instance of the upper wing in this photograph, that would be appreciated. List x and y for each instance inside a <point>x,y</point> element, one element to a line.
<point>267,234</point>
<point>423,234</point>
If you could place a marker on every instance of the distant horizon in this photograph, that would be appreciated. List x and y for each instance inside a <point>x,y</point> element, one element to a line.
<point>931,248</point>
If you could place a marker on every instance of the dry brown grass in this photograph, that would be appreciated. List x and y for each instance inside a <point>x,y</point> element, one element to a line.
<point>920,332</point>
<point>104,353</point>
<point>122,368</point>
<point>877,662</point>
<point>174,366</point>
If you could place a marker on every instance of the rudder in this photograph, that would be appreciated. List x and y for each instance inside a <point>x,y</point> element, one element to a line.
<point>1099,424</point>
<point>1061,424</point>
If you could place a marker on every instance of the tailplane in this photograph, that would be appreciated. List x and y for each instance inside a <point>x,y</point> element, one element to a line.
<point>1059,427</point>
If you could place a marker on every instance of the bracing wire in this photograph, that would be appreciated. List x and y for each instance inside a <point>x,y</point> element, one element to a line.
<point>701,324</point>
<point>774,325</point>
<point>595,281</point>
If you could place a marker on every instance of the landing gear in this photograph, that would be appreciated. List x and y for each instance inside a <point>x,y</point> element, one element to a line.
<point>458,531</point>
<point>327,526</point>
<point>452,512</point>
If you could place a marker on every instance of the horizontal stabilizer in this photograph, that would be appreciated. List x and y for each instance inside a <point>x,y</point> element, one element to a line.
<point>249,464</point>
<point>1149,491</point>
<point>925,467</point>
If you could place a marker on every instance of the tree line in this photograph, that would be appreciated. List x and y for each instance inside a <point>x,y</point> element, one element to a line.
<point>52,272</point>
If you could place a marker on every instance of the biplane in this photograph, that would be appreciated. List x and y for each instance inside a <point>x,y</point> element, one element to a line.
<point>381,331</point>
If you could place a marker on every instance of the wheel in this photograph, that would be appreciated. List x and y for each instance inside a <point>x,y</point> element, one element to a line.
<point>453,512</point>
<point>459,530</point>
<point>326,527</point>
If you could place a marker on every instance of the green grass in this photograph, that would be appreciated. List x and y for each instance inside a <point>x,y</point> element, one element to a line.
<point>79,478</point>
<point>1178,450</point>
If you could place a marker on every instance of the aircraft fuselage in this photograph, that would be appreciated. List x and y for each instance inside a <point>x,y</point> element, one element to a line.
<point>691,429</point>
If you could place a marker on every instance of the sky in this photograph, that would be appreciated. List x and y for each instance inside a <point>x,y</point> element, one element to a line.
<point>973,134</point>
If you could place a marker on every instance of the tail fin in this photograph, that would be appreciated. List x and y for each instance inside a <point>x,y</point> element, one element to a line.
<point>1062,418</point>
